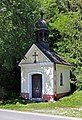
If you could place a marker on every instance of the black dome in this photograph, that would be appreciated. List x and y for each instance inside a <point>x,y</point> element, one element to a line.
<point>41,24</point>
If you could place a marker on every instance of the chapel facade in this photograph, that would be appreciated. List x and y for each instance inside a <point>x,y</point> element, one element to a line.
<point>45,75</point>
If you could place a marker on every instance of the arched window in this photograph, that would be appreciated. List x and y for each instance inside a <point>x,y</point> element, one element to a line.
<point>45,36</point>
<point>61,79</point>
<point>40,36</point>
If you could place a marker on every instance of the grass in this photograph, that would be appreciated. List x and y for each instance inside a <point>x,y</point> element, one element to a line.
<point>74,100</point>
<point>67,106</point>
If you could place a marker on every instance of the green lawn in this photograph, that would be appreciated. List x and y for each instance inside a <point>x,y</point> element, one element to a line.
<point>67,106</point>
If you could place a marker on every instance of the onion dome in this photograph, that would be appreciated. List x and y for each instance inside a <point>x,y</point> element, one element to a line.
<point>42,32</point>
<point>41,24</point>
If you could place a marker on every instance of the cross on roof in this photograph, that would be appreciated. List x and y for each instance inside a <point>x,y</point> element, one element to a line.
<point>41,13</point>
<point>35,55</point>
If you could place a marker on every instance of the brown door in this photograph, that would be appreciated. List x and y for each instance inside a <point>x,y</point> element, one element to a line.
<point>36,86</point>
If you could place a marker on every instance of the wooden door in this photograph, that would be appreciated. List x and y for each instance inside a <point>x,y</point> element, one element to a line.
<point>36,86</point>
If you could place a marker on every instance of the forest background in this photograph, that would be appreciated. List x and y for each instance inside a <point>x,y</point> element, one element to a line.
<point>17,25</point>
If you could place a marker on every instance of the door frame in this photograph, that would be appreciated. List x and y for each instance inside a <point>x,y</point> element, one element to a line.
<point>40,85</point>
<point>30,83</point>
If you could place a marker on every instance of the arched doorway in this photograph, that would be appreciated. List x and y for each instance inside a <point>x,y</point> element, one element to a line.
<point>36,86</point>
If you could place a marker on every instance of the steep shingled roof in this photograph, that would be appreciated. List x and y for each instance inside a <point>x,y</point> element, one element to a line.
<point>53,56</point>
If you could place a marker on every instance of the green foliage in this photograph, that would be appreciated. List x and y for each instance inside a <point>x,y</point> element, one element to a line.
<point>16,36</point>
<point>17,20</point>
<point>71,101</point>
<point>16,29</point>
<point>65,23</point>
<point>78,73</point>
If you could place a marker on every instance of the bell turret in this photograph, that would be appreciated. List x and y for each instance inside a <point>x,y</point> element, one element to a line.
<point>42,32</point>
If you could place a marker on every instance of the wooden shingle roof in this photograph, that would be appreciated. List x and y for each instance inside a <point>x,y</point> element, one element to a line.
<point>53,56</point>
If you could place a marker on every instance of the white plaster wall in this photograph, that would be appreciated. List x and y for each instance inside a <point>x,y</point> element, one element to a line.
<point>23,80</point>
<point>46,69</point>
<point>65,70</point>
<point>49,80</point>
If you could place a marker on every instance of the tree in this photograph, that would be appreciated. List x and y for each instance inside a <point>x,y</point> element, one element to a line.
<point>17,19</point>
<point>65,22</point>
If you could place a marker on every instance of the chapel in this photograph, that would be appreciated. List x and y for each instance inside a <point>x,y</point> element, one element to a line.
<point>45,75</point>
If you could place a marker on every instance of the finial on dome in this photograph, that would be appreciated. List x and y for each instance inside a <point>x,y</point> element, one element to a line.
<point>41,23</point>
<point>41,13</point>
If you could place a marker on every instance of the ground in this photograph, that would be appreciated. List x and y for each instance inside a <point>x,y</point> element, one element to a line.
<point>68,106</point>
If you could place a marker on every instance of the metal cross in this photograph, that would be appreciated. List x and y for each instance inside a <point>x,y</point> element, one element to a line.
<point>35,55</point>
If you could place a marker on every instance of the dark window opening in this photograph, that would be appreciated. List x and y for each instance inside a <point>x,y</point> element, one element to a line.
<point>45,36</point>
<point>61,79</point>
<point>40,36</point>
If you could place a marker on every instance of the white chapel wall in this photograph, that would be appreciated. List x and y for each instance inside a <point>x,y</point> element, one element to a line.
<point>65,70</point>
<point>45,69</point>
